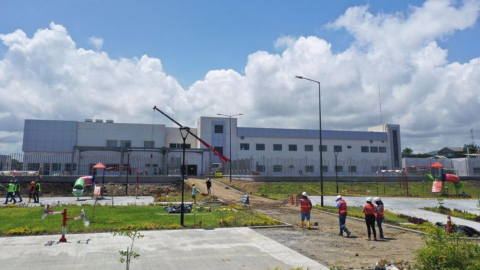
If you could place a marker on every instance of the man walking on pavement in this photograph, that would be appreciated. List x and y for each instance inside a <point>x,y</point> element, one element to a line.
<point>209,186</point>
<point>17,190</point>
<point>341,205</point>
<point>305,207</point>
<point>10,192</point>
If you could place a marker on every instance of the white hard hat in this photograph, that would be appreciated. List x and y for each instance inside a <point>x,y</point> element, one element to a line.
<point>304,193</point>
<point>369,199</point>
<point>377,199</point>
<point>339,197</point>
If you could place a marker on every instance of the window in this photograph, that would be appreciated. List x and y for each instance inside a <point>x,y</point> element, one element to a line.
<point>382,149</point>
<point>112,143</point>
<point>292,147</point>
<point>374,149</point>
<point>352,169</point>
<point>244,146</point>
<point>383,168</point>
<point>375,169</point>
<point>349,147</point>
<point>337,148</point>
<point>126,143</point>
<point>112,165</point>
<point>148,144</point>
<point>90,168</point>
<point>309,168</point>
<point>476,170</point>
<point>277,168</point>
<point>324,148</point>
<point>260,168</point>
<point>308,148</point>
<point>277,147</point>
<point>365,149</point>
<point>242,138</point>
<point>33,166</point>
<point>218,128</point>
<point>325,168</point>
<point>56,166</point>
<point>371,141</point>
<point>219,149</point>
<point>339,168</point>
<point>46,168</point>
<point>260,147</point>
<point>69,167</point>
<point>180,145</point>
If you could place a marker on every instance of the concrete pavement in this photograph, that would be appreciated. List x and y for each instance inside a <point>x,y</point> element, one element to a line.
<point>232,248</point>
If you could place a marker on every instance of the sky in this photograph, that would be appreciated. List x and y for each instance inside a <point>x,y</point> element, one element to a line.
<point>71,60</point>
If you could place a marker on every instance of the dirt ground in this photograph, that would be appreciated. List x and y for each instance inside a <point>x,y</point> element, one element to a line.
<point>323,243</point>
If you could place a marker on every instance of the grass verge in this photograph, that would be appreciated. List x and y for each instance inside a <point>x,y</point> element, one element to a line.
<point>454,212</point>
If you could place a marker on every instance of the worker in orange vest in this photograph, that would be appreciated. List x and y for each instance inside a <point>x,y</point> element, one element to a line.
<point>369,211</point>
<point>305,207</point>
<point>341,205</point>
<point>379,215</point>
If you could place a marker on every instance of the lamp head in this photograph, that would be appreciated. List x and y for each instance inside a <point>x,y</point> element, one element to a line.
<point>299,77</point>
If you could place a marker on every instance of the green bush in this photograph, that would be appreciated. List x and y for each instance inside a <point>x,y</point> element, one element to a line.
<point>445,251</point>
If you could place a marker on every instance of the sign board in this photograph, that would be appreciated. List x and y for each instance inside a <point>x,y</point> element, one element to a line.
<point>98,191</point>
<point>245,199</point>
<point>437,186</point>
<point>218,174</point>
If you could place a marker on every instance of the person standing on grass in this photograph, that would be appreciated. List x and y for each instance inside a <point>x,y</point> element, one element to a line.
<point>36,194</point>
<point>379,215</point>
<point>31,192</point>
<point>209,186</point>
<point>194,193</point>
<point>17,190</point>
<point>341,205</point>
<point>305,207</point>
<point>10,192</point>
<point>369,211</point>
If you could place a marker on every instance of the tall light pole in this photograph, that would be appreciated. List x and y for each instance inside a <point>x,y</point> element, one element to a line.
<point>184,132</point>
<point>230,116</point>
<point>335,152</point>
<point>320,131</point>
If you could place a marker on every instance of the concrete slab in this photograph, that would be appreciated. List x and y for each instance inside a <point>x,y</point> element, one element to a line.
<point>232,248</point>
<point>120,200</point>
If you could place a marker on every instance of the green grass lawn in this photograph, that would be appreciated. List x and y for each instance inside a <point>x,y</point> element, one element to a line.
<point>416,189</point>
<point>27,220</point>
<point>454,212</point>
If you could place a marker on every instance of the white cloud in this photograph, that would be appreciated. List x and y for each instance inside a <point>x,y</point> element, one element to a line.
<point>435,102</point>
<point>96,42</point>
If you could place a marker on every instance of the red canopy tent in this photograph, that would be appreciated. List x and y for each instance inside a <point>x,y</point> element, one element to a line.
<point>99,166</point>
<point>436,165</point>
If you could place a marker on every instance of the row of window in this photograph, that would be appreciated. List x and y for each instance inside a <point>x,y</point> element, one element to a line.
<point>309,148</point>
<point>310,168</point>
<point>114,143</point>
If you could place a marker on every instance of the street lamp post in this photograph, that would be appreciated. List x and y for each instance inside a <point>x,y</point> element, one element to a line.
<point>335,152</point>
<point>182,206</point>
<point>128,172</point>
<point>230,162</point>
<point>320,131</point>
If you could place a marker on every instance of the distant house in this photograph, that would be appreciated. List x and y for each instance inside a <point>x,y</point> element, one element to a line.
<point>451,152</point>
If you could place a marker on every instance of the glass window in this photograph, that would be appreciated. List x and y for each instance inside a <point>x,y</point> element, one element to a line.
<point>218,128</point>
<point>339,168</point>
<point>260,168</point>
<point>148,144</point>
<point>277,168</point>
<point>476,170</point>
<point>365,149</point>
<point>219,149</point>
<point>33,166</point>
<point>382,149</point>
<point>277,147</point>
<point>324,148</point>
<point>309,168</point>
<point>112,143</point>
<point>126,143</point>
<point>260,147</point>
<point>337,148</point>
<point>308,148</point>
<point>325,168</point>
<point>374,149</point>
<point>349,147</point>
<point>384,168</point>
<point>352,169</point>
<point>68,167</point>
<point>56,166</point>
<point>244,146</point>
<point>292,147</point>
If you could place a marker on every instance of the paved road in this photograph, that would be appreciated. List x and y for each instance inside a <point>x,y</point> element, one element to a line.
<point>412,207</point>
<point>232,248</point>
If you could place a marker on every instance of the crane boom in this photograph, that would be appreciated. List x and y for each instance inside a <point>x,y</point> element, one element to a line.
<point>222,157</point>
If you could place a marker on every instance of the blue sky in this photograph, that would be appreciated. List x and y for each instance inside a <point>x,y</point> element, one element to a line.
<point>193,37</point>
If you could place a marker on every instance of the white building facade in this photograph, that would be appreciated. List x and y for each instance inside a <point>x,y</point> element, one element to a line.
<point>71,147</point>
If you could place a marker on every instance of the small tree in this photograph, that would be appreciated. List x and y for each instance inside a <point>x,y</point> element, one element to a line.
<point>407,152</point>
<point>127,255</point>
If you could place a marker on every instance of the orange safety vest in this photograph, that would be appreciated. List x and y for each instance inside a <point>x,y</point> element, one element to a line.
<point>305,205</point>
<point>369,209</point>
<point>342,210</point>
<point>379,212</point>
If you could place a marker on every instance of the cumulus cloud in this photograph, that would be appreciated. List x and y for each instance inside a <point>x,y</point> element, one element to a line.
<point>96,42</point>
<point>436,102</point>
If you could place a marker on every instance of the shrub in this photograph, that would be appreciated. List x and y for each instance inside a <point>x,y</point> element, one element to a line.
<point>445,251</point>
<point>24,231</point>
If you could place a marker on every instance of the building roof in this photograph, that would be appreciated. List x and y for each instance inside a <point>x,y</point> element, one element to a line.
<point>311,134</point>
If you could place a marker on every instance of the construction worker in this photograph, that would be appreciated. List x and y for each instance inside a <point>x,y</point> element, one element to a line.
<point>369,211</point>
<point>209,186</point>
<point>31,192</point>
<point>17,190</point>
<point>36,194</point>
<point>379,215</point>
<point>194,193</point>
<point>305,207</point>
<point>341,205</point>
<point>10,192</point>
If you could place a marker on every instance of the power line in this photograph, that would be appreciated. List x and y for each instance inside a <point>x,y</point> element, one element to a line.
<point>18,132</point>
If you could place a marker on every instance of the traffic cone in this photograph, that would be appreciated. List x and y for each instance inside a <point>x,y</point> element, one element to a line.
<point>296,201</point>
<point>291,199</point>
<point>449,224</point>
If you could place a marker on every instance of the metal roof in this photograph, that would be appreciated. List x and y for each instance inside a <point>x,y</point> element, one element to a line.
<point>311,134</point>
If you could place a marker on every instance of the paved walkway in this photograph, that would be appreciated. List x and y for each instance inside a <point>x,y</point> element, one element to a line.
<point>232,248</point>
<point>120,200</point>
<point>412,207</point>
